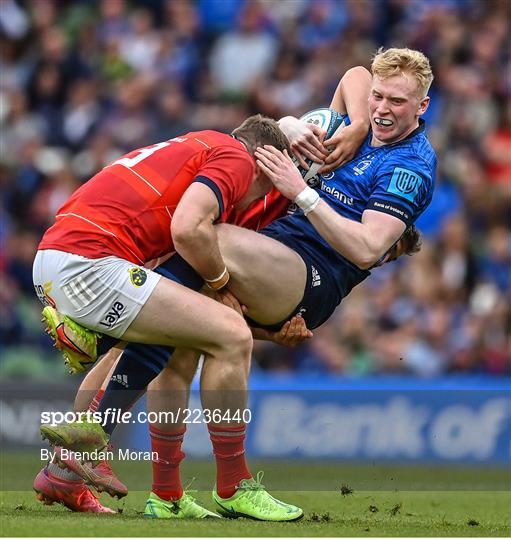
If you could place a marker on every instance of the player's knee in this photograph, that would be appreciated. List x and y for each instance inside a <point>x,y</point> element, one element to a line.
<point>184,373</point>
<point>239,342</point>
<point>246,340</point>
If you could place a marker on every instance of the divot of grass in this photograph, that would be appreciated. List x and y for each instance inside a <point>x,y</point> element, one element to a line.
<point>317,518</point>
<point>395,509</point>
<point>346,490</point>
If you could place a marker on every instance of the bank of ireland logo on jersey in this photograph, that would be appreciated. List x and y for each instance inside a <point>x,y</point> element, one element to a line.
<point>404,183</point>
<point>137,276</point>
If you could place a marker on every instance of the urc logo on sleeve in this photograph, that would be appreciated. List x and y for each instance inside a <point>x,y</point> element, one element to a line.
<point>404,183</point>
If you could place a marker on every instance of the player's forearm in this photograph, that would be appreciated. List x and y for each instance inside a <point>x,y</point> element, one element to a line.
<point>355,241</point>
<point>351,96</point>
<point>198,245</point>
<point>361,243</point>
<point>356,86</point>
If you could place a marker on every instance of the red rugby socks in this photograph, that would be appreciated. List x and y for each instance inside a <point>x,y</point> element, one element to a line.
<point>166,475</point>
<point>229,449</point>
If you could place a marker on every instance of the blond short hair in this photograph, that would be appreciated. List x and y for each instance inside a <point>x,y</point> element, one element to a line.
<point>390,62</point>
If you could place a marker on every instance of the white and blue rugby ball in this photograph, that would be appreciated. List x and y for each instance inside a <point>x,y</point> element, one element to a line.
<point>329,120</point>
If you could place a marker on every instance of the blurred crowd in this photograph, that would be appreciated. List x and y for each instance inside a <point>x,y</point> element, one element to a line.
<point>82,82</point>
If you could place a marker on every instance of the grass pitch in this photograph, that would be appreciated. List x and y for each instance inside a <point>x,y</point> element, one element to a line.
<point>384,501</point>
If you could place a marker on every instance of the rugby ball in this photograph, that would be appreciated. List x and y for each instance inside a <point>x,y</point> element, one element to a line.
<point>332,122</point>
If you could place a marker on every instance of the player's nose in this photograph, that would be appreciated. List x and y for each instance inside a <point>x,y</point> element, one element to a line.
<point>382,107</point>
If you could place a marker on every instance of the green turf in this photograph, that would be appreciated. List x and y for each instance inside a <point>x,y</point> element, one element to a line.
<point>427,502</point>
<point>327,514</point>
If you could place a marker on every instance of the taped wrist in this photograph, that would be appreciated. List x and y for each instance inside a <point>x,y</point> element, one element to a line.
<point>307,200</point>
<point>219,282</point>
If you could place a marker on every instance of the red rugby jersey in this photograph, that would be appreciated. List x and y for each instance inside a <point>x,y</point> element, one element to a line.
<point>261,212</point>
<point>126,209</point>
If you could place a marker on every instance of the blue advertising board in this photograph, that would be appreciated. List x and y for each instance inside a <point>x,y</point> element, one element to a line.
<point>452,420</point>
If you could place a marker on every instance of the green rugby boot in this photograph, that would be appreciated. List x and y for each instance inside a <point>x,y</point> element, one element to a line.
<point>77,343</point>
<point>184,508</point>
<point>76,436</point>
<point>252,501</point>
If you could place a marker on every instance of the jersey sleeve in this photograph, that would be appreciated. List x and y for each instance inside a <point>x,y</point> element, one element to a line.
<point>403,187</point>
<point>228,171</point>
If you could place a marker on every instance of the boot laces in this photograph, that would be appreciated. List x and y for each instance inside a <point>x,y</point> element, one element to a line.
<point>259,496</point>
<point>251,484</point>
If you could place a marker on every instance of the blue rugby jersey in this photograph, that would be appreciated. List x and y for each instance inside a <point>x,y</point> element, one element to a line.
<point>397,179</point>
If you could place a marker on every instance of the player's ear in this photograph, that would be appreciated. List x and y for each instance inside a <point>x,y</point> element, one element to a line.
<point>258,176</point>
<point>423,106</point>
<point>258,173</point>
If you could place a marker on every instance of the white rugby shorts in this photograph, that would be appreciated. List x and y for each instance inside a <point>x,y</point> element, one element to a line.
<point>102,294</point>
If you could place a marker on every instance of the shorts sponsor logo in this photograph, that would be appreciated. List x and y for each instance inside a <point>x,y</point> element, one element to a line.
<point>43,293</point>
<point>404,183</point>
<point>316,278</point>
<point>113,315</point>
<point>137,276</point>
<point>121,379</point>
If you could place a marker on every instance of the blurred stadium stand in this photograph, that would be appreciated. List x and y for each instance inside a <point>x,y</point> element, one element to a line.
<point>84,81</point>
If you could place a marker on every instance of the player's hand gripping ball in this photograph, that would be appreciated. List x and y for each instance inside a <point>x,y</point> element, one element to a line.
<point>328,120</point>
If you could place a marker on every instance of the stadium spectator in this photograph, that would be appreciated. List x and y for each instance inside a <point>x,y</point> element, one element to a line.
<point>240,56</point>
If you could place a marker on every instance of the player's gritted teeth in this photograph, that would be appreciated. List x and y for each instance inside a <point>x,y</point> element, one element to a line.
<point>384,122</point>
